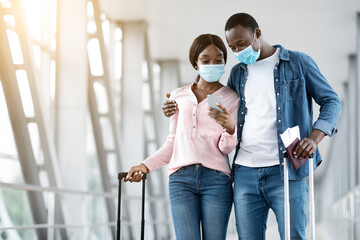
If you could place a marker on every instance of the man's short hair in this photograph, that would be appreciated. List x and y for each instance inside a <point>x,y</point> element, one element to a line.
<point>242,19</point>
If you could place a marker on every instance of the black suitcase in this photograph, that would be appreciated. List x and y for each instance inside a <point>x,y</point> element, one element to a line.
<point>121,176</point>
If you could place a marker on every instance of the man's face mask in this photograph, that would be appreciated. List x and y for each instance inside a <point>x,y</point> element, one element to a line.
<point>248,55</point>
<point>211,73</point>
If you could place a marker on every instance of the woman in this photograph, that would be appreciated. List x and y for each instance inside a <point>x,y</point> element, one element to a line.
<point>196,148</point>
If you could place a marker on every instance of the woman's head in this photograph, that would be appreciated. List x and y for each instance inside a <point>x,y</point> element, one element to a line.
<point>207,49</point>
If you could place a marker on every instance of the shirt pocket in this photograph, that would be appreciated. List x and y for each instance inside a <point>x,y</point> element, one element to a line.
<point>294,90</point>
<point>210,134</point>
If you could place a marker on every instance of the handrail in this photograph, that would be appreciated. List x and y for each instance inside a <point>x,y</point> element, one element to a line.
<point>112,224</point>
<point>53,190</point>
<point>35,188</point>
<point>8,156</point>
<point>37,226</point>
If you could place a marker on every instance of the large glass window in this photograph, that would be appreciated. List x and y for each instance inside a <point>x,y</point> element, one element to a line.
<point>40,26</point>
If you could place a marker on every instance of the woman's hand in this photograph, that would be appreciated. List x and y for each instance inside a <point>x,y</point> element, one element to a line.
<point>136,173</point>
<point>169,107</point>
<point>223,118</point>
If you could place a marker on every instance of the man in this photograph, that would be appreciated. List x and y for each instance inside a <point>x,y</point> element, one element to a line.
<point>276,87</point>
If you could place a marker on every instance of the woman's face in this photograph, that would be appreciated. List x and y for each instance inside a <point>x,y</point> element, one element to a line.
<point>210,55</point>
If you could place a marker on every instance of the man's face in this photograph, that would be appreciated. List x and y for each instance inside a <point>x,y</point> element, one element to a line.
<point>239,37</point>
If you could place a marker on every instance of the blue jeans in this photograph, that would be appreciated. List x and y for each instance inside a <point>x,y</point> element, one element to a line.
<point>200,195</point>
<point>256,190</point>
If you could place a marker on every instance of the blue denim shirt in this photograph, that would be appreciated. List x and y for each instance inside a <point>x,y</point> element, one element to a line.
<point>297,80</point>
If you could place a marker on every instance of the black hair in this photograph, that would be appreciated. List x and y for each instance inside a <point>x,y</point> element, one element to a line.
<point>243,19</point>
<point>202,42</point>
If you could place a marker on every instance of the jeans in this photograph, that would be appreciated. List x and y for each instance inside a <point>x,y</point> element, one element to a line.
<point>200,196</point>
<point>256,190</point>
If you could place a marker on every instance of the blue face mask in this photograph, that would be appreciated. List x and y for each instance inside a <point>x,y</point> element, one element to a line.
<point>248,55</point>
<point>211,73</point>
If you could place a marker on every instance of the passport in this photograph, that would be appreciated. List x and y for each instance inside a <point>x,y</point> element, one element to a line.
<point>296,162</point>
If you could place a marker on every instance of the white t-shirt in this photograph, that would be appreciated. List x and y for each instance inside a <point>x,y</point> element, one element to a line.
<point>259,143</point>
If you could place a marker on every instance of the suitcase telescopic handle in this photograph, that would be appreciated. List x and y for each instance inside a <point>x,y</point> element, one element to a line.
<point>121,176</point>
<point>311,197</point>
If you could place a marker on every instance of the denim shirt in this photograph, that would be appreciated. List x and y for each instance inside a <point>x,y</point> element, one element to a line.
<point>297,80</point>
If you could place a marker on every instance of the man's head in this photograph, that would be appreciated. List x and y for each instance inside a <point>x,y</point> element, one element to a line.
<point>241,31</point>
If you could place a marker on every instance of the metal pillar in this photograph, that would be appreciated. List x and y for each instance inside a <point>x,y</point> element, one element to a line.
<point>151,121</point>
<point>71,110</point>
<point>352,123</point>
<point>20,122</point>
<point>169,80</point>
<point>140,119</point>
<point>131,107</point>
<point>357,87</point>
<point>104,120</point>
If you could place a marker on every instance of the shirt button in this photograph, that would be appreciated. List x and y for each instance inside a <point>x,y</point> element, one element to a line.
<point>281,148</point>
<point>276,80</point>
<point>279,108</point>
<point>240,125</point>
<point>242,112</point>
<point>278,94</point>
<point>242,85</point>
<point>279,120</point>
<point>193,126</point>
<point>275,67</point>
<point>242,98</point>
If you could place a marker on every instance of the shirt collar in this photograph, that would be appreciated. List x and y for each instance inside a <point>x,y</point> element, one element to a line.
<point>284,53</point>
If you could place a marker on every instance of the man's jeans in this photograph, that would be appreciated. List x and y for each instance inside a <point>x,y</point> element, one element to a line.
<point>256,190</point>
<point>199,194</point>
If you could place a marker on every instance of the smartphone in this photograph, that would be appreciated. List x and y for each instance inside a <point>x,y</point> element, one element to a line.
<point>213,99</point>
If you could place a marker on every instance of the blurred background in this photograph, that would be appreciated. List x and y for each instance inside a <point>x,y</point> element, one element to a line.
<point>82,86</point>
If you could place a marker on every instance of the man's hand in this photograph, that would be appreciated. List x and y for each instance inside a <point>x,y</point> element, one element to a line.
<point>136,173</point>
<point>223,118</point>
<point>169,107</point>
<point>307,146</point>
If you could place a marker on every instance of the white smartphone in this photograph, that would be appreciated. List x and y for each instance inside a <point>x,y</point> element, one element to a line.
<point>213,99</point>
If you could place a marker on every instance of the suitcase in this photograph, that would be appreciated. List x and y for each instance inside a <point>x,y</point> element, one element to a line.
<point>121,176</point>
<point>311,197</point>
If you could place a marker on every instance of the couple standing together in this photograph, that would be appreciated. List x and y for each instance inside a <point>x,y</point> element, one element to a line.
<point>271,89</point>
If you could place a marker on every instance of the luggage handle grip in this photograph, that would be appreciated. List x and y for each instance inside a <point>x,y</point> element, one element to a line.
<point>286,155</point>
<point>122,175</point>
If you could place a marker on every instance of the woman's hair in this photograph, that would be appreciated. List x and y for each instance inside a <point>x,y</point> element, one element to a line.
<point>202,42</point>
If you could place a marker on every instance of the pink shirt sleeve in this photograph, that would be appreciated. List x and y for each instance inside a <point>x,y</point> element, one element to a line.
<point>163,155</point>
<point>227,142</point>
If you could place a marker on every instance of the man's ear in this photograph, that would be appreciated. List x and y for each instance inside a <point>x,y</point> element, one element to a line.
<point>258,33</point>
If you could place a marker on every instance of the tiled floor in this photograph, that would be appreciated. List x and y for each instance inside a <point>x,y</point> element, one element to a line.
<point>272,232</point>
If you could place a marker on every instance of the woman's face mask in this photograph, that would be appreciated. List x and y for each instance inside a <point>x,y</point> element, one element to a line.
<point>211,73</point>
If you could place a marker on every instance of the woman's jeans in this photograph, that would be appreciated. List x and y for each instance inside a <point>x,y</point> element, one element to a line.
<point>256,190</point>
<point>200,195</point>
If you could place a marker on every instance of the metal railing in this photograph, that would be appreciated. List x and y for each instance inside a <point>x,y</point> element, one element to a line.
<point>51,192</point>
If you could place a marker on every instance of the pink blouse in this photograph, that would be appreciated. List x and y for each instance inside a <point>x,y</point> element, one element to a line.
<point>194,137</point>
